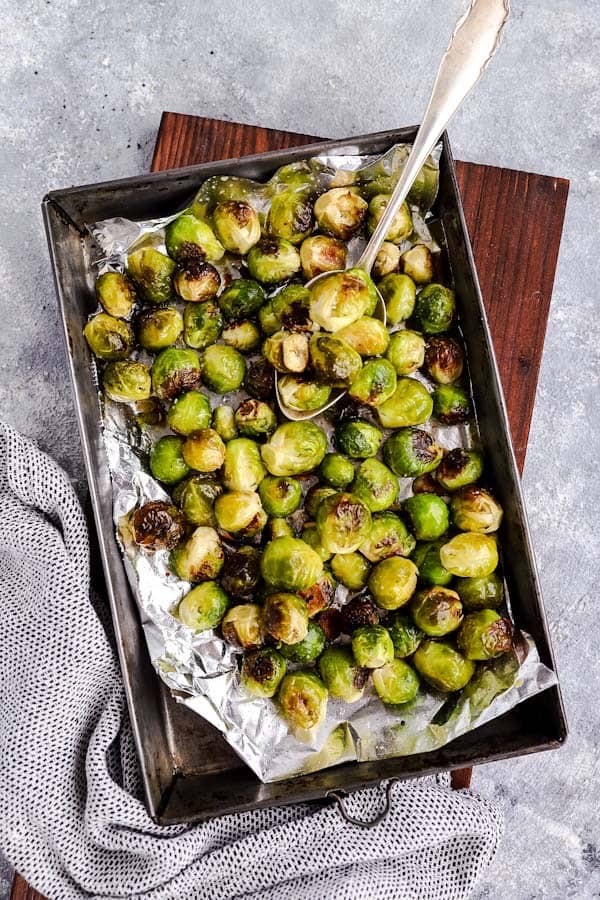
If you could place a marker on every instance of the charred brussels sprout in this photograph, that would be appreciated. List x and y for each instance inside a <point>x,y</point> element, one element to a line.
<point>147,412</point>
<point>435,308</point>
<point>126,381</point>
<point>291,308</point>
<point>375,485</point>
<point>320,594</point>
<point>475,509</point>
<point>344,522</point>
<point>443,667</point>
<point>310,535</point>
<point>255,419</point>
<point>287,351</point>
<point>189,412</point>
<point>374,384</point>
<point>301,394</point>
<point>458,468</point>
<point>202,324</point>
<point>157,526</point>
<point>484,635</point>
<point>333,360</point>
<point>196,498</point>
<point>243,336</point>
<point>372,646</point>
<point>242,299</point>
<point>393,581</point>
<point>444,359</point>
<point>360,611</point>
<point>200,558</point>
<point>427,484</point>
<point>290,565</point>
<point>405,635</point>
<point>273,260</point>
<point>290,216</point>
<point>411,452</point>
<point>351,569</point>
<point>470,555</point>
<point>321,253</point>
<point>107,337</point>
<point>437,611</point>
<point>196,281</point>
<point>237,226</point>
<point>223,422</point>
<point>166,460</point>
<point>260,379</point>
<point>340,212</point>
<point>402,224</point>
<point>396,682</point>
<point>151,272</point>
<point>203,607</point>
<point>303,700</point>
<point>116,293</point>
<point>406,351</point>
<point>187,237</point>
<point>307,650</point>
<point>428,516</point>
<point>339,299</point>
<point>315,496</point>
<point>410,404</point>
<point>223,369</point>
<point>241,573</point>
<point>368,336</point>
<point>286,617</point>
<point>426,557</point>
<point>243,627</point>
<point>387,260</point>
<point>480,593</point>
<point>240,513</point>
<point>389,537</point>
<point>336,470</point>
<point>399,293</point>
<point>243,469</point>
<point>331,622</point>
<point>175,371</point>
<point>343,678</point>
<point>417,263</point>
<point>357,438</point>
<point>451,404</point>
<point>294,448</point>
<point>280,496</point>
<point>159,328</point>
<point>204,450</point>
<point>262,672</point>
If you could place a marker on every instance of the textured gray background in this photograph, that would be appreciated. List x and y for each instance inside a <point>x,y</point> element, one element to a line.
<point>84,83</point>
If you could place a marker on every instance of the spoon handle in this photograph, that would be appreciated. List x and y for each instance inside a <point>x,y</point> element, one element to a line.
<point>473,44</point>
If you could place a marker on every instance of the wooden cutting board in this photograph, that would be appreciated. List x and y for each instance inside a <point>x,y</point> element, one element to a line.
<point>515,222</point>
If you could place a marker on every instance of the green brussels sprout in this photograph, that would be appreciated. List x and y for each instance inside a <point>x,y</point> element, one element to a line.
<point>159,328</point>
<point>255,418</point>
<point>405,635</point>
<point>470,555</point>
<point>344,522</point>
<point>336,470</point>
<point>240,513</point>
<point>368,336</point>
<point>484,635</point>
<point>243,336</point>
<point>196,281</point>
<point>189,412</point>
<point>358,612</point>
<point>387,260</point>
<point>294,448</point>
<point>308,649</point>
<point>291,308</point>
<point>187,237</point>
<point>116,293</point>
<point>339,299</point>
<point>406,351</point>
<point>107,337</point>
<point>268,321</point>
<point>223,369</point>
<point>243,469</point>
<point>242,299</point>
<point>237,226</point>
<point>223,422</point>
<point>157,526</point>
<point>196,497</point>
<point>315,496</point>
<point>369,284</point>
<point>410,404</point>
<point>262,672</point>
<point>319,595</point>
<point>437,611</point>
<point>152,273</point>
<point>126,381</point>
<point>343,678</point>
<point>290,216</point>
<point>340,212</point>
<point>291,565</point>
<point>481,593</point>
<point>166,460</point>
<point>333,360</point>
<point>411,452</point>
<point>396,682</point>
<point>243,627</point>
<point>374,384</point>
<point>389,537</point>
<point>260,379</point>
<point>285,617</point>
<point>458,468</point>
<point>375,485</point>
<point>310,535</point>
<point>303,700</point>
<point>451,404</point>
<point>443,667</point>
<point>402,224</point>
<point>203,607</point>
<point>444,359</point>
<point>357,438</point>
<point>278,527</point>
<point>322,253</point>
<point>372,646</point>
<point>240,576</point>
<point>428,516</point>
<point>175,371</point>
<point>417,263</point>
<point>204,450</point>
<point>202,324</point>
<point>393,581</point>
<point>301,394</point>
<point>475,509</point>
<point>351,569</point>
<point>200,558</point>
<point>426,558</point>
<point>280,496</point>
<point>287,351</point>
<point>273,260</point>
<point>435,308</point>
<point>399,293</point>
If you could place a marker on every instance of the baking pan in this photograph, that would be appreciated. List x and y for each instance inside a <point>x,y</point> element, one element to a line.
<point>189,771</point>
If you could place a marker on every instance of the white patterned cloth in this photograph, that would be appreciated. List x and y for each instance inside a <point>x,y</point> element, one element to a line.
<point>72,820</point>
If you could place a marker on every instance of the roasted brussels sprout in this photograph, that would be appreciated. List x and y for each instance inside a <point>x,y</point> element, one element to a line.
<point>320,594</point>
<point>175,371</point>
<point>159,328</point>
<point>116,293</point>
<point>268,321</point>
<point>189,412</point>
<point>437,611</point>
<point>458,468</point>
<point>240,513</point>
<point>223,422</point>
<point>303,700</point>
<point>343,678</point>
<point>396,682</point>
<point>280,496</point>
<point>375,485</point>
<point>196,281</point>
<point>278,527</point>
<point>443,667</point>
<point>481,593</point>
<point>107,337</point>
<point>243,336</point>
<point>372,646</point>
<point>242,299</point>
<point>428,516</point>
<point>399,293</point>
<point>470,555</point>
<point>237,226</point>
<point>344,522</point>
<point>307,650</point>
<point>351,569</point>
<point>357,438</point>
<point>196,498</point>
<point>484,635</point>
<point>287,351</point>
<point>187,237</point>
<point>260,379</point>
<point>126,381</point>
<point>243,469</point>
<point>435,308</point>
<point>157,526</point>
<point>368,336</point>
<point>393,581</point>
<point>402,224</point>
<point>243,627</point>
<point>300,394</point>
<point>417,263</point>
<point>294,448</point>
<point>374,384</point>
<point>147,412</point>
<point>426,558</point>
<point>273,260</point>
<point>331,622</point>
<point>285,617</point>
<point>359,611</point>
<point>204,450</point>
<point>223,369</point>
<point>444,359</point>
<point>389,537</point>
<point>315,496</point>
<point>340,212</point>
<point>333,360</point>
<point>475,509</point>
<point>291,308</point>
<point>427,484</point>
<point>310,535</point>
<point>290,216</point>
<point>411,452</point>
<point>202,324</point>
<point>151,272</point>
<point>451,404</point>
<point>255,419</point>
<point>339,299</point>
<point>321,253</point>
<point>262,672</point>
<point>290,565</point>
<point>203,607</point>
<point>166,460</point>
<point>405,635</point>
<point>410,404</point>
<point>387,260</point>
<point>241,573</point>
<point>200,558</point>
<point>406,351</point>
<point>336,470</point>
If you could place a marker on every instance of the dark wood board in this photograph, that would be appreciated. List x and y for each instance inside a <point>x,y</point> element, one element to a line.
<point>515,222</point>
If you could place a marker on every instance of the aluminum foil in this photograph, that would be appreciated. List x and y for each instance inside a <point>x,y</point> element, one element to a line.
<point>202,669</point>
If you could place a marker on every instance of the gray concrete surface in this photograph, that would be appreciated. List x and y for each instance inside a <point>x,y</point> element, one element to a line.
<point>84,84</point>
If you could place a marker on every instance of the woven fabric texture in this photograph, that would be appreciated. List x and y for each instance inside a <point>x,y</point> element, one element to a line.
<point>73,822</point>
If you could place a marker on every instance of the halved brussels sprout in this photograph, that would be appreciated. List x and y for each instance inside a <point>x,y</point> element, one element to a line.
<point>406,351</point>
<point>333,360</point>
<point>387,260</point>
<point>273,260</point>
<point>331,622</point>
<point>303,700</point>
<point>437,611</point>
<point>187,237</point>
<point>417,263</point>
<point>189,412</point>
<point>444,359</point>
<point>285,617</point>
<point>223,369</point>
<point>319,595</point>
<point>255,419</point>
<point>280,496</point>
<point>223,422</point>
<point>243,469</point>
<point>368,336</point>
<point>428,516</point>
<point>357,438</point>
<point>343,678</point>
<point>389,537</point>
<point>359,611</point>
<point>484,635</point>
<point>196,498</point>
<point>443,667</point>
<point>200,558</point>
<point>339,299</point>
<point>372,646</point>
<point>166,460</point>
<point>375,485</point>
<point>321,253</point>
<point>310,535</point>
<point>287,351</point>
<point>374,384</point>
<point>240,513</point>
<point>241,573</point>
<point>262,672</point>
<point>243,336</point>
<point>107,337</point>
<point>458,468</point>
<point>237,226</point>
<point>426,557</point>
<point>243,627</point>
<point>340,212</point>
<point>315,496</point>
<point>475,509</point>
<point>410,404</point>
<point>402,224</point>
<point>336,470</point>
<point>290,216</point>
<point>294,448</point>
<point>393,581</point>
<point>152,273</point>
<point>396,682</point>
<point>242,299</point>
<point>481,593</point>
<point>411,452</point>
<point>290,565</point>
<point>196,281</point>
<point>157,526</point>
<point>203,607</point>
<point>470,555</point>
<point>278,527</point>
<point>302,394</point>
<point>307,650</point>
<point>202,324</point>
<point>126,381</point>
<point>175,371</point>
<point>204,450</point>
<point>451,404</point>
<point>116,293</point>
<point>435,308</point>
<point>399,293</point>
<point>405,635</point>
<point>260,379</point>
<point>159,328</point>
<point>344,522</point>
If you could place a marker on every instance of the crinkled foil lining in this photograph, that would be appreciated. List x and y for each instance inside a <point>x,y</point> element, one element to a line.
<point>202,669</point>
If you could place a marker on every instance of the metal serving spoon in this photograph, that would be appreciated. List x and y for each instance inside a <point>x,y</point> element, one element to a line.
<point>472,46</point>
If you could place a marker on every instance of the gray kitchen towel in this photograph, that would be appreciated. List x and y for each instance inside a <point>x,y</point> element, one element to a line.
<point>72,819</point>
